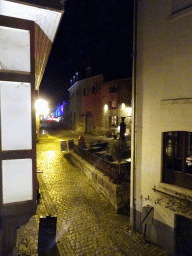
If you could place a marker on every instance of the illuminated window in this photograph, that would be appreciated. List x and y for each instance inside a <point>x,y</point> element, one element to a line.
<point>177,158</point>
<point>114,121</point>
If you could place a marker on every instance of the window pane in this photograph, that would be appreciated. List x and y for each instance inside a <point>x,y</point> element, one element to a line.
<point>177,158</point>
<point>114,120</point>
<point>15,49</point>
<point>16,130</point>
<point>112,89</point>
<point>17,180</point>
<point>173,151</point>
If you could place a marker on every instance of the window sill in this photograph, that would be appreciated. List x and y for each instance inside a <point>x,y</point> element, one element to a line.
<point>180,14</point>
<point>173,189</point>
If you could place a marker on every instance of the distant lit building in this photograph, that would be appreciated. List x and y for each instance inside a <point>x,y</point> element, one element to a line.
<point>98,106</point>
<point>60,109</point>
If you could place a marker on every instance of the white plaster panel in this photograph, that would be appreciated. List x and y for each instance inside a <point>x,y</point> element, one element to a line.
<point>17,180</point>
<point>16,124</point>
<point>14,49</point>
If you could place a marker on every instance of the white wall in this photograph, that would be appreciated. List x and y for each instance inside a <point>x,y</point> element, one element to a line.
<point>164,86</point>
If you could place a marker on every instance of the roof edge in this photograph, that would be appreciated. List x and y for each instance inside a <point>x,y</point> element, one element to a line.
<point>56,5</point>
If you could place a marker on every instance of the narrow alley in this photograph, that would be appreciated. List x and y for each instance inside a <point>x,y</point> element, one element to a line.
<point>86,223</point>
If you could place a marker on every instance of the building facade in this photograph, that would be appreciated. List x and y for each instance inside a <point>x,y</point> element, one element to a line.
<point>98,106</point>
<point>27,31</point>
<point>161,172</point>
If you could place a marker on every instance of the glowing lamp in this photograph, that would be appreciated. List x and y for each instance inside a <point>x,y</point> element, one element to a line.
<point>129,111</point>
<point>41,107</point>
<point>105,107</point>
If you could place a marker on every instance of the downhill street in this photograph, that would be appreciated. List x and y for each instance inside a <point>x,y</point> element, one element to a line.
<point>86,223</point>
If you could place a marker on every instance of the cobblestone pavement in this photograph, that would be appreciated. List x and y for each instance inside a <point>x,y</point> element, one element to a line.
<point>86,223</point>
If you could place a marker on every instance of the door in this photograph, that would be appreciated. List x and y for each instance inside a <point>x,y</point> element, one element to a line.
<point>88,122</point>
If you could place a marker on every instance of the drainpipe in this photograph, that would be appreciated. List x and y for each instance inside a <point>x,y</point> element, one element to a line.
<point>133,130</point>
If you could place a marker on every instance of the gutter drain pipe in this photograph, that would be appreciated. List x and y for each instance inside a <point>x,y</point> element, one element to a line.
<point>133,139</point>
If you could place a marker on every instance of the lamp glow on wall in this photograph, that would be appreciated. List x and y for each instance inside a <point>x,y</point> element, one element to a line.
<point>105,107</point>
<point>123,105</point>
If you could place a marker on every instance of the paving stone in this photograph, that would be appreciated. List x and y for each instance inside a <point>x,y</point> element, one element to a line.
<point>86,223</point>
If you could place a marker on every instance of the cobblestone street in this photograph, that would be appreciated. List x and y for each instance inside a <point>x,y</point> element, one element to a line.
<point>86,223</point>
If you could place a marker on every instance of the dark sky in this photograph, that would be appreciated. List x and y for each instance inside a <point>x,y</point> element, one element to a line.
<point>95,33</point>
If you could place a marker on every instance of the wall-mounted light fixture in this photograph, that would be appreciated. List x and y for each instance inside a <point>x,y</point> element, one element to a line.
<point>129,111</point>
<point>105,107</point>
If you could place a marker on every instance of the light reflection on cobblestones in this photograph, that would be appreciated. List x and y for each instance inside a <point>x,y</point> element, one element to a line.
<point>86,222</point>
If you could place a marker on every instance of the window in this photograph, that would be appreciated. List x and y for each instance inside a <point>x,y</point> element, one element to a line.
<point>112,89</point>
<point>93,89</point>
<point>113,120</point>
<point>178,5</point>
<point>113,104</point>
<point>177,158</point>
<point>84,91</point>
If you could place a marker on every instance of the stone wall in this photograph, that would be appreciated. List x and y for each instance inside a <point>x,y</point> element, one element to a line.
<point>117,195</point>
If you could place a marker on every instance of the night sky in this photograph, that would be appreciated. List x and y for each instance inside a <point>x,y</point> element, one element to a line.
<point>95,33</point>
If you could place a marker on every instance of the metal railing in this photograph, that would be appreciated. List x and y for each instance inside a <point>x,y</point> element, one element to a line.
<point>116,175</point>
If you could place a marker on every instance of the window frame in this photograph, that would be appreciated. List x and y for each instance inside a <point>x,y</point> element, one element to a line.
<point>171,174</point>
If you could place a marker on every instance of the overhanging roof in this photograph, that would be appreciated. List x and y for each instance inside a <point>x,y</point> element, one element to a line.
<point>51,4</point>
<point>47,15</point>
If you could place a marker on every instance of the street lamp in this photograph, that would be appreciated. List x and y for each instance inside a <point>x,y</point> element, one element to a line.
<point>41,107</point>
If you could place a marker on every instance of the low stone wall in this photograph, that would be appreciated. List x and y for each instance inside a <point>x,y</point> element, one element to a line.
<point>117,195</point>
